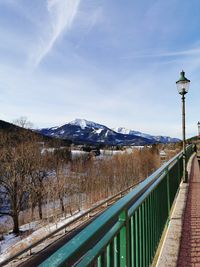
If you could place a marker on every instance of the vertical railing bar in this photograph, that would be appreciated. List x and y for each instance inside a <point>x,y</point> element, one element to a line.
<point>99,261</point>
<point>132,235</point>
<point>128,241</point>
<point>108,255</point>
<point>136,239</point>
<point>143,235</point>
<point>124,238</point>
<point>152,226</point>
<point>116,252</point>
<point>150,229</point>
<point>154,215</point>
<point>147,233</point>
<point>168,198</point>
<point>157,216</point>
<point>140,236</point>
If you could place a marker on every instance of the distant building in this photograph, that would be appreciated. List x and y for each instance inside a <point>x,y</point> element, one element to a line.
<point>163,155</point>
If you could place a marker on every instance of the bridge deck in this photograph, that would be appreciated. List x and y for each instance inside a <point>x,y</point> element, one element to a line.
<point>189,254</point>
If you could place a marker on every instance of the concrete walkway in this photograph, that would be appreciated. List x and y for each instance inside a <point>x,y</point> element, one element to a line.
<point>189,254</point>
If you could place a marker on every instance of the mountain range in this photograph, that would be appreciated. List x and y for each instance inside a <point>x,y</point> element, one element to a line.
<point>87,132</point>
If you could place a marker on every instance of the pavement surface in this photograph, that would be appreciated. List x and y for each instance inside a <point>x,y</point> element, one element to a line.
<point>169,252</point>
<point>189,253</point>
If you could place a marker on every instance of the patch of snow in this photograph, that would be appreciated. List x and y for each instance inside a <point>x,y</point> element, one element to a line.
<point>78,154</point>
<point>79,122</point>
<point>6,223</point>
<point>98,131</point>
<point>9,241</point>
<point>122,130</point>
<point>84,123</point>
<point>51,150</point>
<point>163,153</point>
<point>17,245</point>
<point>54,128</point>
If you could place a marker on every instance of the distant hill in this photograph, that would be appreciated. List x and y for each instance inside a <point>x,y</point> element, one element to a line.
<point>19,134</point>
<point>88,132</point>
<point>193,139</point>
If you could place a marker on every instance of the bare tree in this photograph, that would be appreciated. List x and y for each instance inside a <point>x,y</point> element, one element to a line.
<point>23,122</point>
<point>15,180</point>
<point>61,159</point>
<point>39,168</point>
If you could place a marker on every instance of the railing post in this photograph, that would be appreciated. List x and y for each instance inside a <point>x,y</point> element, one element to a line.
<point>124,240</point>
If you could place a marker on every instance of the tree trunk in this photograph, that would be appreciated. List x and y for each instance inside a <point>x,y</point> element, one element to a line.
<point>16,224</point>
<point>32,211</point>
<point>62,205</point>
<point>40,207</point>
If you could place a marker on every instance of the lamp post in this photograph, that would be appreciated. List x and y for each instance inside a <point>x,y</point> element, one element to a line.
<point>198,124</point>
<point>183,86</point>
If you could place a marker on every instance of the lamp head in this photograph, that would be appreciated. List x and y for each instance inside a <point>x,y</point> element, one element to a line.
<point>183,84</point>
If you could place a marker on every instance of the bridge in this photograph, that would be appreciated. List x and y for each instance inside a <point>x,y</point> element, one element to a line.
<point>155,223</point>
<point>131,232</point>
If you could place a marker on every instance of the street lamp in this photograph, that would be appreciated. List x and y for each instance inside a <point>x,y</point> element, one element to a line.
<point>183,86</point>
<point>198,124</point>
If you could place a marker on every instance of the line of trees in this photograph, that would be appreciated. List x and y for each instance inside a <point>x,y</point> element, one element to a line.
<point>35,179</point>
<point>24,172</point>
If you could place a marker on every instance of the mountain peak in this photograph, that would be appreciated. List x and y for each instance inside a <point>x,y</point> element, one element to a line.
<point>79,122</point>
<point>85,123</point>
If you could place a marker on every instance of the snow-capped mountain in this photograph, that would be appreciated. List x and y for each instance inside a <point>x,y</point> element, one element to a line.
<point>83,131</point>
<point>159,139</point>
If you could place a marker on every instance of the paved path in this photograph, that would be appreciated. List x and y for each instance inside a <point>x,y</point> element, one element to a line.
<point>189,254</point>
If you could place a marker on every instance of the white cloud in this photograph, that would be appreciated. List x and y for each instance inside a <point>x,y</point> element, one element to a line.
<point>61,15</point>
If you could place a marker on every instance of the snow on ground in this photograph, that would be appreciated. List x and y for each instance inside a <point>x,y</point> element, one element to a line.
<point>12,243</point>
<point>78,154</point>
<point>6,223</point>
<point>10,239</point>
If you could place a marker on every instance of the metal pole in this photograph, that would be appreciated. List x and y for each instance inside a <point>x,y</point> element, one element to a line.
<point>185,177</point>
<point>198,124</point>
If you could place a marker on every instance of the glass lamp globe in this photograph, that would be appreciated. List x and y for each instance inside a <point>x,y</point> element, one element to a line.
<point>183,84</point>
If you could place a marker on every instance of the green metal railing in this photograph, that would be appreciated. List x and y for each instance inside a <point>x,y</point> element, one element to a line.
<point>127,233</point>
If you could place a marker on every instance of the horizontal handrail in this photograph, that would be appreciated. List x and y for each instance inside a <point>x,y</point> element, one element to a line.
<point>101,227</point>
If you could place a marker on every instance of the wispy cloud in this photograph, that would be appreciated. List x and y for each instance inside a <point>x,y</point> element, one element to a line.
<point>61,16</point>
<point>188,52</point>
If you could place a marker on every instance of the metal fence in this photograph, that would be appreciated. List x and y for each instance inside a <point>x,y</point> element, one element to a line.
<point>127,233</point>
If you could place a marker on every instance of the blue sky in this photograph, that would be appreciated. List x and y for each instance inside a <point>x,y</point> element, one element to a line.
<point>112,62</point>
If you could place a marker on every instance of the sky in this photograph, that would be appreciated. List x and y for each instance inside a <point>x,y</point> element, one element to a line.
<point>112,62</point>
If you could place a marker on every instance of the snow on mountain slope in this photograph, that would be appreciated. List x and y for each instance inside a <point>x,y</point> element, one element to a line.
<point>83,131</point>
<point>84,123</point>
<point>162,139</point>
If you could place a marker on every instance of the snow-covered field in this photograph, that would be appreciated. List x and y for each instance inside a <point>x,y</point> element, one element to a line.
<point>12,244</point>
